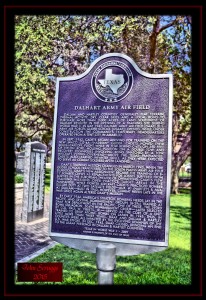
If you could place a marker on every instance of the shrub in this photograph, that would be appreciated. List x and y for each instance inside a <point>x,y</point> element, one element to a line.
<point>19,178</point>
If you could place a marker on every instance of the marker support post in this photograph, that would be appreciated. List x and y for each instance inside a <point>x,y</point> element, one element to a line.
<point>106,262</point>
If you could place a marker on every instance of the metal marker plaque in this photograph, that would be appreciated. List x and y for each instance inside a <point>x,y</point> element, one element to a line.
<point>34,175</point>
<point>112,158</point>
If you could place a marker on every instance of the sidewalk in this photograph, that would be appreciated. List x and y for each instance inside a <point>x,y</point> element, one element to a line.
<point>33,236</point>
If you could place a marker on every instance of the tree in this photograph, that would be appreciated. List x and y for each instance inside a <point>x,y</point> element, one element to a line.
<point>47,47</point>
<point>163,44</point>
<point>56,46</point>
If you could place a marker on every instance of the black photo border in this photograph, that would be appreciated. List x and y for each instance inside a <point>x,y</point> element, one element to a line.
<point>195,289</point>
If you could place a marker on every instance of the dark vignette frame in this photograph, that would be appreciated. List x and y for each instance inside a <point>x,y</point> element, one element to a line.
<point>195,289</point>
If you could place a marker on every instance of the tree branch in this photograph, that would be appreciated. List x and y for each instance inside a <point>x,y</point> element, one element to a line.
<point>166,26</point>
<point>40,114</point>
<point>19,107</point>
<point>184,150</point>
<point>38,130</point>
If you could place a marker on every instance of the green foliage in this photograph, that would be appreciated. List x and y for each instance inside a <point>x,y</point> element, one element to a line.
<point>171,266</point>
<point>19,178</point>
<point>47,47</point>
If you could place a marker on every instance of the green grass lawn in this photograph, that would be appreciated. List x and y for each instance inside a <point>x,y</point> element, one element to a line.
<point>171,266</point>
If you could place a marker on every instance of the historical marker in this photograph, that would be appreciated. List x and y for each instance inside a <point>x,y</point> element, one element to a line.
<point>34,175</point>
<point>112,158</point>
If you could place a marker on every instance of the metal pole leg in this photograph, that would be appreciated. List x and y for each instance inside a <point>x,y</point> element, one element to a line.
<point>106,262</point>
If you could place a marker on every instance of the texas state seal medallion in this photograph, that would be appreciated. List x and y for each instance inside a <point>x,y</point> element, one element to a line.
<point>112,81</point>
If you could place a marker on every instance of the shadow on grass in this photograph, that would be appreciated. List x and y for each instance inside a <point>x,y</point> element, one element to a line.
<point>181,212</point>
<point>171,266</point>
<point>185,190</point>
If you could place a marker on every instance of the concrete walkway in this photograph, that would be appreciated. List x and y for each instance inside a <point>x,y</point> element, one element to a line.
<point>32,237</point>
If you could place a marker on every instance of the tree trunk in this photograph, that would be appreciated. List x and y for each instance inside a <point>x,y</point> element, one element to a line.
<point>177,161</point>
<point>153,42</point>
<point>175,180</point>
<point>182,154</point>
